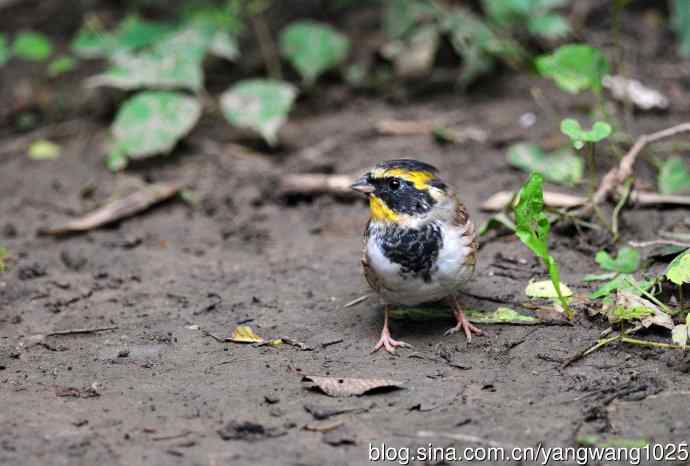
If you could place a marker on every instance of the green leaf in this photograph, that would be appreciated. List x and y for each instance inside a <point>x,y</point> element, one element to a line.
<point>633,313</point>
<point>502,315</point>
<point>546,289</point>
<point>477,45</point>
<point>313,48</point>
<point>32,46</point>
<point>680,20</point>
<point>60,65</point>
<point>574,131</point>
<point>532,225</point>
<point>260,105</point>
<point>628,260</point>
<point>621,282</point>
<point>674,176</point>
<point>549,26</point>
<point>533,230</point>
<point>611,442</point>
<point>678,270</point>
<point>562,166</point>
<point>152,122</point>
<point>153,70</point>
<point>5,52</point>
<point>135,33</point>
<point>44,150</point>
<point>401,16</point>
<point>93,42</point>
<point>224,45</point>
<point>593,277</point>
<point>116,160</point>
<point>498,220</point>
<point>574,67</point>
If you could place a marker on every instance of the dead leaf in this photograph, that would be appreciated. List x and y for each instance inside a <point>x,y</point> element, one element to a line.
<point>630,301</point>
<point>117,209</point>
<point>632,90</point>
<point>321,412</point>
<point>349,386</point>
<point>244,334</point>
<point>323,426</point>
<point>248,431</point>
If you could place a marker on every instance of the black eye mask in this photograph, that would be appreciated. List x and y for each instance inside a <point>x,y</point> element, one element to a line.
<point>401,196</point>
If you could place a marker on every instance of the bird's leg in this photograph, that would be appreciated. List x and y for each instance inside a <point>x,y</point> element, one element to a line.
<point>463,323</point>
<point>386,341</point>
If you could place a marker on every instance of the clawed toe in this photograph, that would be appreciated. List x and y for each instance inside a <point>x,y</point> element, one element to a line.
<point>465,326</point>
<point>389,344</point>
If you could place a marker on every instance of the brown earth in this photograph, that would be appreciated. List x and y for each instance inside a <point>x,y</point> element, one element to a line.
<point>157,390</point>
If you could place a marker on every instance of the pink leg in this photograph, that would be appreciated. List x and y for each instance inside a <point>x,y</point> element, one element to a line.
<point>463,323</point>
<point>386,341</point>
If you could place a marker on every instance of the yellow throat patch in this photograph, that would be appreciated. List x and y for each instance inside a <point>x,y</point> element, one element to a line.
<point>380,211</point>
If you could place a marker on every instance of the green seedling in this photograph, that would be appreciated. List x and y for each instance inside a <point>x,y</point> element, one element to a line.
<point>674,176</point>
<point>627,261</point>
<point>313,48</point>
<point>533,227</point>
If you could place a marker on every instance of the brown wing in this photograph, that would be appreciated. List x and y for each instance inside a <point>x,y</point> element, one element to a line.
<point>462,218</point>
<point>369,274</point>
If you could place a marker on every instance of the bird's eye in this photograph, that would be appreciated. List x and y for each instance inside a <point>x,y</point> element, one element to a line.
<point>393,184</point>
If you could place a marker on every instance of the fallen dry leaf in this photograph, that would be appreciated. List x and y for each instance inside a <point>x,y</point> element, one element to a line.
<point>244,334</point>
<point>349,386</point>
<point>117,209</point>
<point>323,426</point>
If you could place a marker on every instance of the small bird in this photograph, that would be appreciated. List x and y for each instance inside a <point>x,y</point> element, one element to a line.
<point>419,243</point>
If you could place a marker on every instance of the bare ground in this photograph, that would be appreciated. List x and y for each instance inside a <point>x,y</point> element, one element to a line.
<point>166,393</point>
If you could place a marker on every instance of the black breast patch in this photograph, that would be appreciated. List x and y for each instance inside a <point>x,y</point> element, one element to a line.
<point>415,250</point>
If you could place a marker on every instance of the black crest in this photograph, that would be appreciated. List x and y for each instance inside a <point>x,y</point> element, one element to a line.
<point>407,164</point>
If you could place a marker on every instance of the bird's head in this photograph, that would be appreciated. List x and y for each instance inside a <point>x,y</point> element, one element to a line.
<point>402,191</point>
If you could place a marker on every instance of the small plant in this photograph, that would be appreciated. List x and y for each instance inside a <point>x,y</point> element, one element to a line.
<point>536,16</point>
<point>576,68</point>
<point>313,48</point>
<point>533,227</point>
<point>164,63</point>
<point>561,167</point>
<point>674,176</point>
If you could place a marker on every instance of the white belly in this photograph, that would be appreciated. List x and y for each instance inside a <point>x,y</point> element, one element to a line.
<point>447,275</point>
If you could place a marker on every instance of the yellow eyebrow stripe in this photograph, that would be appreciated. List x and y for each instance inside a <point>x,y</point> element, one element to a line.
<point>419,179</point>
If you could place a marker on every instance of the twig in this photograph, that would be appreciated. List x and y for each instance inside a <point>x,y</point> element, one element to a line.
<point>502,199</point>
<point>357,301</point>
<point>82,331</point>
<point>315,183</point>
<point>215,337</point>
<point>653,344</point>
<point>617,210</point>
<point>658,242</point>
<point>618,175</point>
<point>267,46</point>
<point>591,349</point>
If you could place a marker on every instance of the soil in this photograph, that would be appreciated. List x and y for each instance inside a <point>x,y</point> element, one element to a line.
<point>157,389</point>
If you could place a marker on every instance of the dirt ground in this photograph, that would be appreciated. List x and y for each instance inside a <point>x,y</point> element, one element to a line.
<point>156,390</point>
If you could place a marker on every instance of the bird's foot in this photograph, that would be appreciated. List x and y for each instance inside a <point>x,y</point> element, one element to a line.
<point>464,325</point>
<point>388,343</point>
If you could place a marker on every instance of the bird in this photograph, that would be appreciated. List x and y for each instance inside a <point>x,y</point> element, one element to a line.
<point>419,242</point>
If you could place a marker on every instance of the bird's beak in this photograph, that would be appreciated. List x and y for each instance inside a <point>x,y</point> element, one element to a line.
<point>362,185</point>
